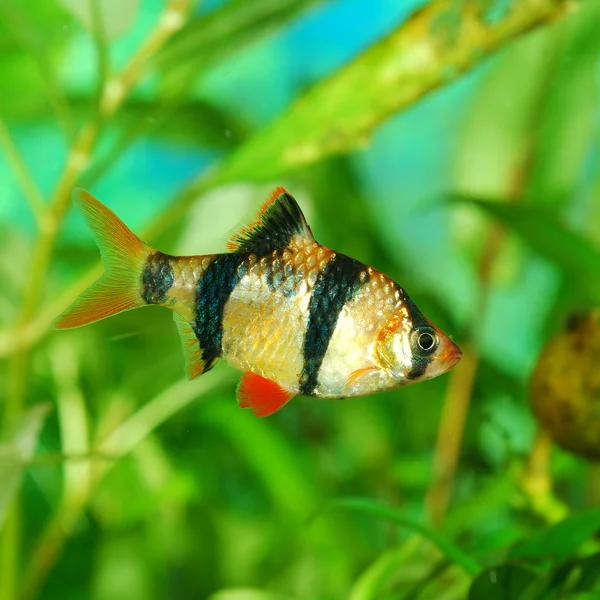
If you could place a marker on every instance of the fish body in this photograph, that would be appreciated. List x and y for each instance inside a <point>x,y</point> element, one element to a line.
<point>294,316</point>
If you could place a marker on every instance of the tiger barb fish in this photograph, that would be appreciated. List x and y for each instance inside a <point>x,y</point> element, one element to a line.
<point>294,316</point>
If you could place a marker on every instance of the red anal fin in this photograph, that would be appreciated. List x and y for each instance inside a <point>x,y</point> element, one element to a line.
<point>262,395</point>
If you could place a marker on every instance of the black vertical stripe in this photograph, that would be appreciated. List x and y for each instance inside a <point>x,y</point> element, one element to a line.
<point>336,285</point>
<point>419,363</point>
<point>213,291</point>
<point>419,366</point>
<point>157,278</point>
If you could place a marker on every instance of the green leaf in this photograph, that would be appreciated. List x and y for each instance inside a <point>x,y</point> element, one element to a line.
<point>569,581</point>
<point>245,594</point>
<point>11,467</point>
<point>192,123</point>
<point>377,575</point>
<point>26,60</point>
<point>452,551</point>
<point>434,46</point>
<point>339,114</point>
<point>561,540</point>
<point>286,479</point>
<point>589,576</point>
<point>523,67</point>
<point>542,230</point>
<point>506,582</point>
<point>568,115</point>
<point>15,454</point>
<point>116,16</point>
<point>211,37</point>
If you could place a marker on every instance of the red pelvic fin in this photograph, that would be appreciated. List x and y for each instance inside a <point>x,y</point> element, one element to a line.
<point>262,395</point>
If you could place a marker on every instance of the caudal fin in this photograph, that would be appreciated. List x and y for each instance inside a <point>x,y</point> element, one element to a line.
<point>124,256</point>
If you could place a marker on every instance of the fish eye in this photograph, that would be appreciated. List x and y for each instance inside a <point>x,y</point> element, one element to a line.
<point>426,341</point>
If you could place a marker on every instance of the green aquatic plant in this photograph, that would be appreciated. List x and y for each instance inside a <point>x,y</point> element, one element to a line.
<point>121,479</point>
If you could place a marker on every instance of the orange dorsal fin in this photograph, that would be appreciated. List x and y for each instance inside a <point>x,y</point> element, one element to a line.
<point>278,220</point>
<point>262,395</point>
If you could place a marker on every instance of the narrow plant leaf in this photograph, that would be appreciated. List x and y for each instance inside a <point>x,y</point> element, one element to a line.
<point>506,582</point>
<point>11,468</point>
<point>589,575</point>
<point>561,540</point>
<point>212,36</point>
<point>245,594</point>
<point>116,16</point>
<point>451,550</point>
<point>194,122</point>
<point>543,231</point>
<point>15,453</point>
<point>377,575</point>
<point>433,47</point>
<point>285,479</point>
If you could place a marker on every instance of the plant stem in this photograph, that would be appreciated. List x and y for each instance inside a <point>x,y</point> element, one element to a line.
<point>452,424</point>
<point>10,552</point>
<point>99,34</point>
<point>116,90</point>
<point>536,479</point>
<point>19,168</point>
<point>27,36</point>
<point>459,391</point>
<point>458,395</point>
<point>593,489</point>
<point>118,444</point>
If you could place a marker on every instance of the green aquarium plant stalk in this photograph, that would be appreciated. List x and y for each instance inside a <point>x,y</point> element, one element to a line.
<point>114,93</point>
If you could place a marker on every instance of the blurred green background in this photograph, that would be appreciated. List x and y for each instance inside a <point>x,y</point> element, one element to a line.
<point>452,144</point>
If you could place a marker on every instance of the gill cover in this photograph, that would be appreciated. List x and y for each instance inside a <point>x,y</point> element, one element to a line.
<point>411,348</point>
<point>393,344</point>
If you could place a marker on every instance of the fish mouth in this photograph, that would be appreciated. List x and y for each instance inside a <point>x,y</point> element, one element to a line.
<point>451,355</point>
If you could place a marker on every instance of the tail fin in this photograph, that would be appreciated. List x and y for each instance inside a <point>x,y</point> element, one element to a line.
<point>124,256</point>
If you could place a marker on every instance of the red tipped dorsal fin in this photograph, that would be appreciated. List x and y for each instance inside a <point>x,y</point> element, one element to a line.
<point>278,219</point>
<point>123,255</point>
<point>262,395</point>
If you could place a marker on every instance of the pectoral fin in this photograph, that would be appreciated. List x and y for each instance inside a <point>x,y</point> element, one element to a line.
<point>262,395</point>
<point>357,375</point>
